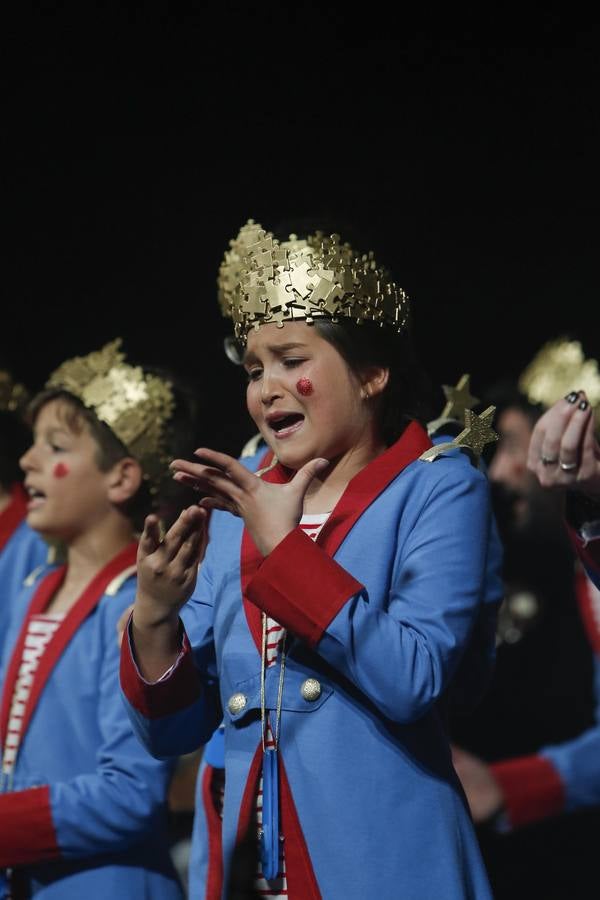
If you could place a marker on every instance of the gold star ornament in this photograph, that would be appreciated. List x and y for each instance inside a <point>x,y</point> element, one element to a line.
<point>477,435</point>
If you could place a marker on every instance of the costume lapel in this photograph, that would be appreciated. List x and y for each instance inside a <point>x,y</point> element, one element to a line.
<point>80,610</point>
<point>361,491</point>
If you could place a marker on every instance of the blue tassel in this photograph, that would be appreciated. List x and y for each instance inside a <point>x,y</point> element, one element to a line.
<point>269,842</point>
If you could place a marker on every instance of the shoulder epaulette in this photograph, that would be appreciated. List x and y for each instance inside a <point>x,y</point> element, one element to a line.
<point>250,448</point>
<point>119,580</point>
<point>33,576</point>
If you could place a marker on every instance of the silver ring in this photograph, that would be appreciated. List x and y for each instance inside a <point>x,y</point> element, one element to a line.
<point>568,467</point>
<point>548,460</point>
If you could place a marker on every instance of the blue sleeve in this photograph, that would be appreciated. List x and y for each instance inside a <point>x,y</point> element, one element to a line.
<point>405,657</point>
<point>178,713</point>
<point>122,801</point>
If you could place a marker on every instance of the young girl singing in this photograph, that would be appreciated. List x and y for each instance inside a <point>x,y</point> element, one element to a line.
<point>339,593</point>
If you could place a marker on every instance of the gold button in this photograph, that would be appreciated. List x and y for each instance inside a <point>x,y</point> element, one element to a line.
<point>311,689</point>
<point>236,704</point>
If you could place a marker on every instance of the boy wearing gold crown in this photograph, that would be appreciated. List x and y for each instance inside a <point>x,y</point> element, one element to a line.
<point>21,549</point>
<point>81,805</point>
<point>338,596</point>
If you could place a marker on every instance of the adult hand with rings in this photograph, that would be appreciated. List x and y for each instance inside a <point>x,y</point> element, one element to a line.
<point>563,451</point>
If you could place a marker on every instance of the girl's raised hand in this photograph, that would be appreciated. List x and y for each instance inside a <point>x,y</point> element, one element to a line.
<point>270,511</point>
<point>167,568</point>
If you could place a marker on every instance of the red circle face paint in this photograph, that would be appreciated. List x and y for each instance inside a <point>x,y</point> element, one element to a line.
<point>60,470</point>
<point>304,387</point>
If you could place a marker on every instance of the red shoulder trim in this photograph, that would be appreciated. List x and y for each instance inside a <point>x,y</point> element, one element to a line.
<point>13,514</point>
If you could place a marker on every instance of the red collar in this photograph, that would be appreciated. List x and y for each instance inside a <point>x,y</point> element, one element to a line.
<point>360,492</point>
<point>80,610</point>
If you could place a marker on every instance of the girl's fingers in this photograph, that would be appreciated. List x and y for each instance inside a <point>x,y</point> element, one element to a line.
<point>209,503</point>
<point>233,469</point>
<point>303,477</point>
<point>191,550</point>
<point>184,478</point>
<point>205,478</point>
<point>188,522</point>
<point>150,539</point>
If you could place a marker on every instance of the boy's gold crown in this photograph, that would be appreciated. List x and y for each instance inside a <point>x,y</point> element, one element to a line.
<point>558,368</point>
<point>263,280</point>
<point>14,397</point>
<point>134,404</point>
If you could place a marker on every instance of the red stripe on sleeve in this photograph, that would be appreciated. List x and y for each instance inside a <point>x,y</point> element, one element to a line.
<point>301,587</point>
<point>27,833</point>
<point>156,699</point>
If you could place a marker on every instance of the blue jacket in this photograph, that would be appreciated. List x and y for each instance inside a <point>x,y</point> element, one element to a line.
<point>382,608</point>
<point>22,550</point>
<point>83,814</point>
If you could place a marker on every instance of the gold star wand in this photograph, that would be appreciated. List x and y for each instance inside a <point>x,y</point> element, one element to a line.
<point>477,435</point>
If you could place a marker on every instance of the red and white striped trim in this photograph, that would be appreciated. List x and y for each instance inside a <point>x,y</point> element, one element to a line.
<point>40,630</point>
<point>311,525</point>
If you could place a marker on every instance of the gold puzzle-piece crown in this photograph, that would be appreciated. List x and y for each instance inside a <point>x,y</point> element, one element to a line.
<point>134,404</point>
<point>263,280</point>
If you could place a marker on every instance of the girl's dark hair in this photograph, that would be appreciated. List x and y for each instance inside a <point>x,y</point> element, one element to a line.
<point>409,394</point>
<point>15,438</point>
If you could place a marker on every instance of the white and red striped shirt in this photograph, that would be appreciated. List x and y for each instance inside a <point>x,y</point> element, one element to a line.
<point>277,887</point>
<point>40,629</point>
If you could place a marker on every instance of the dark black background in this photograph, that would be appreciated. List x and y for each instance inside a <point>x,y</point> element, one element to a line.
<point>463,150</point>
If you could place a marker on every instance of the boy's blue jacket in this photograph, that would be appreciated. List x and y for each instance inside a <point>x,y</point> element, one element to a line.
<point>382,609</point>
<point>83,813</point>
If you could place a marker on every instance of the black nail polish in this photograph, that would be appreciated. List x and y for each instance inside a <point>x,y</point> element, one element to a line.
<point>583,405</point>
<point>572,397</point>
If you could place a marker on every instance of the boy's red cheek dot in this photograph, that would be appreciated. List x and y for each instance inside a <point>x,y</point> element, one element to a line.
<point>304,387</point>
<point>60,470</point>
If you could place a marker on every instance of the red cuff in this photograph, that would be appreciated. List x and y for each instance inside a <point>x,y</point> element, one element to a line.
<point>27,832</point>
<point>178,690</point>
<point>532,789</point>
<point>301,587</point>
